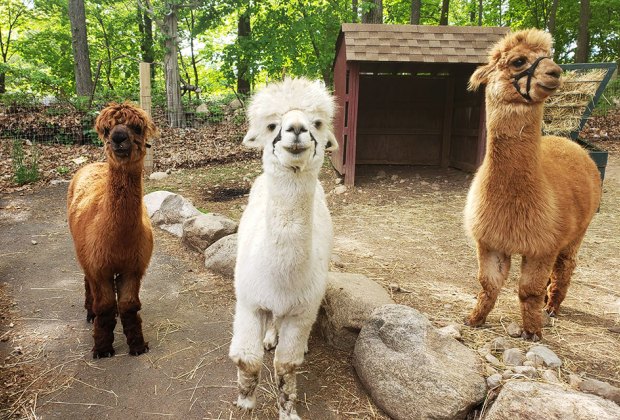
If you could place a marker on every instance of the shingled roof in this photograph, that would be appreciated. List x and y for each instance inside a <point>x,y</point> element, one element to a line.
<point>419,43</point>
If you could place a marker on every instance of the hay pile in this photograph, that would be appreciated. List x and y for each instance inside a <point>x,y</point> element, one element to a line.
<point>563,111</point>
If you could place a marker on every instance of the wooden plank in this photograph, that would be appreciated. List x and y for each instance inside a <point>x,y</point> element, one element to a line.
<point>350,152</point>
<point>447,124</point>
<point>145,104</point>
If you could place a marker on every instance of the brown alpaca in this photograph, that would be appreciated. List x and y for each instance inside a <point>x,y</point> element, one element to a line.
<point>111,229</point>
<point>533,195</point>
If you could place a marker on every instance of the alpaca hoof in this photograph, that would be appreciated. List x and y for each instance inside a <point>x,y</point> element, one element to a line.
<point>246,403</point>
<point>136,351</point>
<point>472,322</point>
<point>90,318</point>
<point>98,354</point>
<point>288,413</point>
<point>531,336</point>
<point>552,311</point>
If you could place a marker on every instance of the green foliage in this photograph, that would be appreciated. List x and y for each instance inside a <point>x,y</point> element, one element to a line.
<point>294,37</point>
<point>62,170</point>
<point>25,168</point>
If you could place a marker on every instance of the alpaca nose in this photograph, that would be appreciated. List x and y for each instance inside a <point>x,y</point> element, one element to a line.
<point>554,71</point>
<point>297,129</point>
<point>119,137</point>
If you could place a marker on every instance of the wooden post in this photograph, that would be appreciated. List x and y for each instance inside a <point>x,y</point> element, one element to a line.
<point>145,104</point>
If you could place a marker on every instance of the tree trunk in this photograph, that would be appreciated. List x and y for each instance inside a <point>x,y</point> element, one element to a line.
<point>79,43</point>
<point>480,13</point>
<point>355,10</point>
<point>581,55</point>
<point>2,83</point>
<point>374,15</point>
<point>445,7</point>
<point>194,60</point>
<point>176,116</point>
<point>552,14</point>
<point>244,32</point>
<point>416,6</point>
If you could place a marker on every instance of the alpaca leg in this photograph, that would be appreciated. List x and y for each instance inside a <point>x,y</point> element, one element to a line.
<point>271,336</point>
<point>532,286</point>
<point>560,278</point>
<point>104,308</point>
<point>88,301</point>
<point>294,333</point>
<point>493,268</point>
<point>246,351</point>
<point>128,289</point>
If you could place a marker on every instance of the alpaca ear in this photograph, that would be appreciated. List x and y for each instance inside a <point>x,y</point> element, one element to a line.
<point>332,143</point>
<point>251,139</point>
<point>480,77</point>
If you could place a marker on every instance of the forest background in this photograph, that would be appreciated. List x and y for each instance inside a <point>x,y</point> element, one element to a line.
<point>86,52</point>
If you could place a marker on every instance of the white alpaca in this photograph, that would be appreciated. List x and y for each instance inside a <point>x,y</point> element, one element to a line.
<point>285,236</point>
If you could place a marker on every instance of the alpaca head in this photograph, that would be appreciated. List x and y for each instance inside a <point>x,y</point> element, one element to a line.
<point>124,129</point>
<point>520,69</point>
<point>291,121</point>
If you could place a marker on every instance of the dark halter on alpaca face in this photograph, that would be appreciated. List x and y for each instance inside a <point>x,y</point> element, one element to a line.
<point>529,72</point>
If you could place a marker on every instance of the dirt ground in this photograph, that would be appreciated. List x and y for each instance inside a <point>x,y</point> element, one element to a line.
<point>398,225</point>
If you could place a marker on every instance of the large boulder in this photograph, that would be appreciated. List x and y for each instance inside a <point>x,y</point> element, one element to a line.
<point>154,200</point>
<point>200,232</point>
<point>533,400</point>
<point>349,300</point>
<point>414,372</point>
<point>222,256</point>
<point>173,210</point>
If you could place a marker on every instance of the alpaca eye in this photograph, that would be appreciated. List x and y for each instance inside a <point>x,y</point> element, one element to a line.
<point>519,62</point>
<point>318,124</point>
<point>271,127</point>
<point>106,132</point>
<point>136,129</point>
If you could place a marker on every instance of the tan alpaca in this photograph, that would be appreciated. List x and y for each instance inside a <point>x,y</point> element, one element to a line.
<point>533,195</point>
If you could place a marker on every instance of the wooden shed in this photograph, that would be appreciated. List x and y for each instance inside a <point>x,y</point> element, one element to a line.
<point>402,97</point>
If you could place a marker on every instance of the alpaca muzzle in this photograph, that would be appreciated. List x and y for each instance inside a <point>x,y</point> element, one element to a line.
<point>529,72</point>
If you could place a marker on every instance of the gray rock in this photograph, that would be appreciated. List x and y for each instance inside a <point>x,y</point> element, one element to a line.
<point>507,374</point>
<point>154,200</point>
<point>513,357</point>
<point>527,371</point>
<point>340,189</point>
<point>514,329</point>
<point>530,399</point>
<point>200,232</point>
<point>500,344</point>
<point>494,380</point>
<point>550,359</point>
<point>349,300</point>
<point>412,371</point>
<point>222,256</point>
<point>493,360</point>
<point>173,210</point>
<point>156,176</point>
<point>452,330</point>
<point>550,376</point>
<point>600,388</point>
<point>535,359</point>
